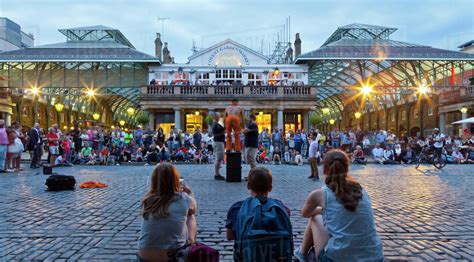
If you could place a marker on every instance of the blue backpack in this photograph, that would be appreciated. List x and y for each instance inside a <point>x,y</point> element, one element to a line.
<point>263,231</point>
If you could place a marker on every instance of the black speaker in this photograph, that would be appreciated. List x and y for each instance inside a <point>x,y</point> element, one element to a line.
<point>233,167</point>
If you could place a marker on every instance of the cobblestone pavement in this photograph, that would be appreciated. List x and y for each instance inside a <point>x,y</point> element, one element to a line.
<point>420,215</point>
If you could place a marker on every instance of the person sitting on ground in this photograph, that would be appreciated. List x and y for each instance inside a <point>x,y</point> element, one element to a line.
<point>115,155</point>
<point>388,156</point>
<point>152,155</point>
<point>139,154</point>
<point>168,216</point>
<point>358,156</point>
<point>287,155</point>
<point>470,154</point>
<point>409,156</point>
<point>259,186</point>
<point>457,156</point>
<point>341,223</point>
<point>93,158</point>
<point>398,154</point>
<point>298,158</point>
<point>86,153</point>
<point>377,154</point>
<point>276,159</point>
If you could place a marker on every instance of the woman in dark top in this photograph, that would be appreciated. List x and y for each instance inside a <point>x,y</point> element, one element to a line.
<point>160,137</point>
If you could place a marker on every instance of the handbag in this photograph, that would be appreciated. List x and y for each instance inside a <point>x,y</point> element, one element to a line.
<point>196,252</point>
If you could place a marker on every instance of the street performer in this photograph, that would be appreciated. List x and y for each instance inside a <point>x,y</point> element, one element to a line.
<point>233,120</point>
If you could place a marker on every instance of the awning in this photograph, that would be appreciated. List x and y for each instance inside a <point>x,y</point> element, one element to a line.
<point>467,120</point>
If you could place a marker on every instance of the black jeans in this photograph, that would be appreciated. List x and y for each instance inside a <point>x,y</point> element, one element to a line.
<point>37,152</point>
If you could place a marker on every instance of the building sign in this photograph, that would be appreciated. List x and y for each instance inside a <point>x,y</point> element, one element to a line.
<point>228,56</point>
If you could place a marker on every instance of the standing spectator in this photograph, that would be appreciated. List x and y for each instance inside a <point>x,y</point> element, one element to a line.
<point>197,138</point>
<point>3,146</point>
<point>277,140</point>
<point>298,140</point>
<point>138,136</point>
<point>304,143</point>
<point>160,137</point>
<point>148,135</point>
<point>380,138</point>
<point>251,141</point>
<point>335,137</point>
<point>313,156</point>
<point>219,145</point>
<point>171,140</point>
<point>15,148</point>
<point>265,137</point>
<point>35,144</point>
<point>53,145</point>
<point>359,137</point>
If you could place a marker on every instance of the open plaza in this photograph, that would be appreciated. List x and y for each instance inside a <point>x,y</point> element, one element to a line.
<point>320,132</point>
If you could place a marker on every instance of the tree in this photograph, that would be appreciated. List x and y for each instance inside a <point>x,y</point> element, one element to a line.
<point>315,120</point>
<point>208,119</point>
<point>142,119</point>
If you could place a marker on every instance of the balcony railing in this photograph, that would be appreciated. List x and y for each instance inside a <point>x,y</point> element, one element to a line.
<point>457,95</point>
<point>224,91</point>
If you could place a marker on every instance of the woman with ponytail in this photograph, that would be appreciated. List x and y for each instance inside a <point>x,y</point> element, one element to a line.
<point>341,223</point>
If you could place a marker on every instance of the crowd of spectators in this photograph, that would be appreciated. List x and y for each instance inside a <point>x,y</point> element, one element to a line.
<point>100,146</point>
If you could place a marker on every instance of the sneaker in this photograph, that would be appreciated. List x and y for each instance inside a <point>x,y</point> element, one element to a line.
<point>117,164</point>
<point>298,255</point>
<point>146,164</point>
<point>219,177</point>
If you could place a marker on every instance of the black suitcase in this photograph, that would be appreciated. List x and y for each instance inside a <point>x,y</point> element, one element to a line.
<point>57,182</point>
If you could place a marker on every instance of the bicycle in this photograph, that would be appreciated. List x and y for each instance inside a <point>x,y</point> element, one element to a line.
<point>428,156</point>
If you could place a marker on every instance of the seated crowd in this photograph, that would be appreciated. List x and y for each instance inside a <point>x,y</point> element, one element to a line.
<point>340,224</point>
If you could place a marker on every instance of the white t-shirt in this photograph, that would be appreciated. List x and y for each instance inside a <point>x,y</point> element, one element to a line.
<point>438,140</point>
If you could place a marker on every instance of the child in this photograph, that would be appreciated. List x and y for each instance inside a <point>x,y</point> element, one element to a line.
<point>14,150</point>
<point>298,159</point>
<point>104,156</point>
<point>139,155</point>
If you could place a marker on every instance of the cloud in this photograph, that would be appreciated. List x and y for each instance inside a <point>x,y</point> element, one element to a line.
<point>440,23</point>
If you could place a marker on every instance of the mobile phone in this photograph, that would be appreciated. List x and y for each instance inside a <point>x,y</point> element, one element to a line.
<point>181,183</point>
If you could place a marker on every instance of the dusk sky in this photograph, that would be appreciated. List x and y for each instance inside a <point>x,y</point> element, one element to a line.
<point>443,24</point>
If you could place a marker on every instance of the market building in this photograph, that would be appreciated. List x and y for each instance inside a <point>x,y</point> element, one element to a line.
<point>180,96</point>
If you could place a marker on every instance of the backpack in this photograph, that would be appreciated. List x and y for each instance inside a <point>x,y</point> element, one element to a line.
<point>57,182</point>
<point>263,231</point>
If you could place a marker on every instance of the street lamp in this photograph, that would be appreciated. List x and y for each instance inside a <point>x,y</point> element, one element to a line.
<point>332,121</point>
<point>325,110</point>
<point>463,110</point>
<point>130,111</point>
<point>357,115</point>
<point>276,71</point>
<point>59,107</point>
<point>96,116</point>
<point>122,122</point>
<point>34,90</point>
<point>90,92</point>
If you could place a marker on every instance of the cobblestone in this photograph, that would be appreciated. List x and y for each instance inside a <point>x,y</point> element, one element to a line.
<point>420,215</point>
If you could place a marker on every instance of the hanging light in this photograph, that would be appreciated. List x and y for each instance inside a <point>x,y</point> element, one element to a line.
<point>325,110</point>
<point>260,113</point>
<point>90,92</point>
<point>463,110</point>
<point>122,122</point>
<point>196,113</point>
<point>130,111</point>
<point>112,127</point>
<point>59,107</point>
<point>357,115</point>
<point>276,71</point>
<point>34,90</point>
<point>96,116</point>
<point>332,121</point>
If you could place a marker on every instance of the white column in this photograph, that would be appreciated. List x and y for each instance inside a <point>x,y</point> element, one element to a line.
<point>177,118</point>
<point>8,119</point>
<point>442,123</point>
<point>464,125</point>
<point>280,118</point>
<point>151,120</point>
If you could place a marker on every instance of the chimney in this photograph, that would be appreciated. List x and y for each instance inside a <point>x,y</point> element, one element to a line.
<point>297,45</point>
<point>166,54</point>
<point>158,46</point>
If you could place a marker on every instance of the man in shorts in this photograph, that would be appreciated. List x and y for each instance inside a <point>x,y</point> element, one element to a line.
<point>53,144</point>
<point>233,120</point>
<point>218,131</point>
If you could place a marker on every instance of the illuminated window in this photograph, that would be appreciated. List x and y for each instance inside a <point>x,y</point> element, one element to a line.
<point>264,120</point>
<point>193,121</point>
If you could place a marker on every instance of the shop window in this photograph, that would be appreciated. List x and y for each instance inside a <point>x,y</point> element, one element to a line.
<point>193,121</point>
<point>430,111</point>
<point>264,121</point>
<point>292,122</point>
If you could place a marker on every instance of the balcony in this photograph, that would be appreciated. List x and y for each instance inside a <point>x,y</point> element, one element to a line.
<point>457,95</point>
<point>249,92</point>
